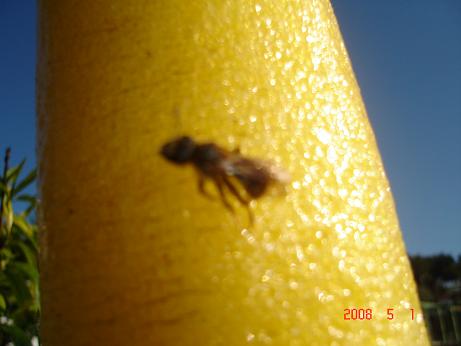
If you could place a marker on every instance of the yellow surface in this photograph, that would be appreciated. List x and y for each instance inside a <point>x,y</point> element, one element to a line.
<point>132,254</point>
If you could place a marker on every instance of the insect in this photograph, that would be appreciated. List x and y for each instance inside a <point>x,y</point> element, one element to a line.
<point>226,169</point>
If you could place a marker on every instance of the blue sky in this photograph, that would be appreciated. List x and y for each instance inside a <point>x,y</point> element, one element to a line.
<point>17,74</point>
<point>407,59</point>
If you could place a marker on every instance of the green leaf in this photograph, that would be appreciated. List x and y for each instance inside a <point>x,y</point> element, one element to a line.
<point>13,173</point>
<point>27,212</point>
<point>36,304</point>
<point>23,225</point>
<point>3,187</point>
<point>6,253</point>
<point>4,280</point>
<point>27,198</point>
<point>16,334</point>
<point>25,182</point>
<point>6,256</point>
<point>31,200</point>
<point>2,303</point>
<point>29,254</point>
<point>28,270</point>
<point>9,216</point>
<point>18,283</point>
<point>33,240</point>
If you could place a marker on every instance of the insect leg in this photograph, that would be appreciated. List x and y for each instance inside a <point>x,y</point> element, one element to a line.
<point>242,200</point>
<point>219,184</point>
<point>234,191</point>
<point>201,186</point>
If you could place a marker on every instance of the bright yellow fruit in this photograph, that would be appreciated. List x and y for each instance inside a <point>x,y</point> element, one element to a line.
<point>132,254</point>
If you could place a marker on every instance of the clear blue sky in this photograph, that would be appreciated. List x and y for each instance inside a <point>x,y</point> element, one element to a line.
<point>407,58</point>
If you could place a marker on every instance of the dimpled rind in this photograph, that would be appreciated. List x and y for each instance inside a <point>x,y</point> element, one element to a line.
<point>133,254</point>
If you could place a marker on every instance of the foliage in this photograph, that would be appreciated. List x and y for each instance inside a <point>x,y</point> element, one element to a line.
<point>19,279</point>
<point>438,277</point>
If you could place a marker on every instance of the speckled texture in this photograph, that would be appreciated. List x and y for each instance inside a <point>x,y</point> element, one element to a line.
<point>132,254</point>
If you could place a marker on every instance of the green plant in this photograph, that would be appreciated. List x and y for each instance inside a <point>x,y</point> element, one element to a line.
<point>19,278</point>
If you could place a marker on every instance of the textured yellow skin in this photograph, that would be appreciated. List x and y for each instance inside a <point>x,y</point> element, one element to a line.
<point>132,254</point>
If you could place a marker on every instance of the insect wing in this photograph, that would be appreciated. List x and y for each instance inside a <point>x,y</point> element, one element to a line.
<point>252,174</point>
<point>279,175</point>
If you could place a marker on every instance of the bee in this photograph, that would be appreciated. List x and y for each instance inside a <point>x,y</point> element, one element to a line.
<point>225,169</point>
